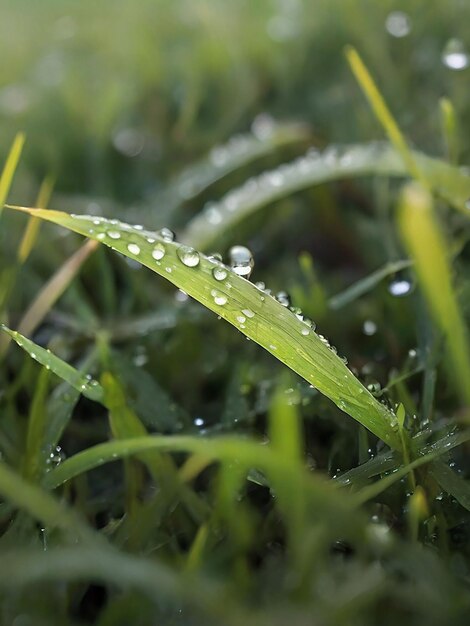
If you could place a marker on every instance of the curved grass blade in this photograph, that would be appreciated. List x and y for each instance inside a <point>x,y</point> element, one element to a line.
<point>334,163</point>
<point>366,284</point>
<point>248,454</point>
<point>85,384</point>
<point>451,482</point>
<point>41,505</point>
<point>427,247</point>
<point>259,316</point>
<point>10,167</point>
<point>54,288</point>
<point>158,581</point>
<point>240,150</point>
<point>381,110</point>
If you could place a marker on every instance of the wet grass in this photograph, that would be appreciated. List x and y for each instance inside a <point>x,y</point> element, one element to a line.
<point>157,467</point>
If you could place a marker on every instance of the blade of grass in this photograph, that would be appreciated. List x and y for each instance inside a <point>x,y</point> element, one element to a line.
<point>78,564</point>
<point>259,316</point>
<point>335,163</point>
<point>449,129</point>
<point>223,449</point>
<point>83,383</point>
<point>238,152</point>
<point>451,482</point>
<point>10,167</point>
<point>382,111</point>
<point>32,228</point>
<point>285,426</point>
<point>33,456</point>
<point>54,288</point>
<point>426,245</point>
<point>459,486</point>
<point>41,505</point>
<point>364,285</point>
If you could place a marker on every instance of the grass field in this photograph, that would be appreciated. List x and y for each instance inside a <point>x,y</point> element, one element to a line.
<point>234,353</point>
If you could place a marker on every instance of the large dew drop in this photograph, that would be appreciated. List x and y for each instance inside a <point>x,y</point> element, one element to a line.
<point>133,248</point>
<point>219,298</point>
<point>241,261</point>
<point>219,273</point>
<point>455,55</point>
<point>400,287</point>
<point>398,24</point>
<point>158,252</point>
<point>166,234</point>
<point>188,256</point>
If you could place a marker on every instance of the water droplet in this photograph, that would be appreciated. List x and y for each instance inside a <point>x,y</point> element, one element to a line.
<point>305,332</point>
<point>215,257</point>
<point>263,126</point>
<point>133,248</point>
<point>248,313</point>
<point>100,236</point>
<point>129,141</point>
<point>219,156</point>
<point>158,252</point>
<point>398,24</point>
<point>198,421</point>
<point>373,387</point>
<point>219,273</point>
<point>212,215</point>
<point>310,323</point>
<point>166,234</point>
<point>188,256</point>
<point>241,319</point>
<point>114,234</point>
<point>369,328</point>
<point>168,269</point>
<point>219,298</point>
<point>455,55</point>
<point>399,287</point>
<point>241,261</point>
<point>283,298</point>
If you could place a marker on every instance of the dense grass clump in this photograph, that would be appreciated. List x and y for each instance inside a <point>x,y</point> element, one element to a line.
<point>235,364</point>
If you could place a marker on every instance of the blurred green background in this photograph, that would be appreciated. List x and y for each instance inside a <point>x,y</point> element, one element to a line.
<point>116,96</point>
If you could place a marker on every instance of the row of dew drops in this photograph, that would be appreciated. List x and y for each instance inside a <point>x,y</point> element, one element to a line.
<point>241,263</point>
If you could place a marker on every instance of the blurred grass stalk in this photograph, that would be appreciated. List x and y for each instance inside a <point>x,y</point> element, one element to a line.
<point>426,245</point>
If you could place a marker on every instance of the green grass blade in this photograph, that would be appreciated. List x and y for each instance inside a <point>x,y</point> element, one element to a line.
<point>381,110</point>
<point>108,566</point>
<point>32,229</point>
<point>34,457</point>
<point>40,504</point>
<point>223,449</point>
<point>285,432</point>
<point>259,316</point>
<point>54,288</point>
<point>315,168</point>
<point>426,246</point>
<point>10,168</point>
<point>239,151</point>
<point>451,482</point>
<point>88,387</point>
<point>60,406</point>
<point>450,130</point>
<point>364,285</point>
